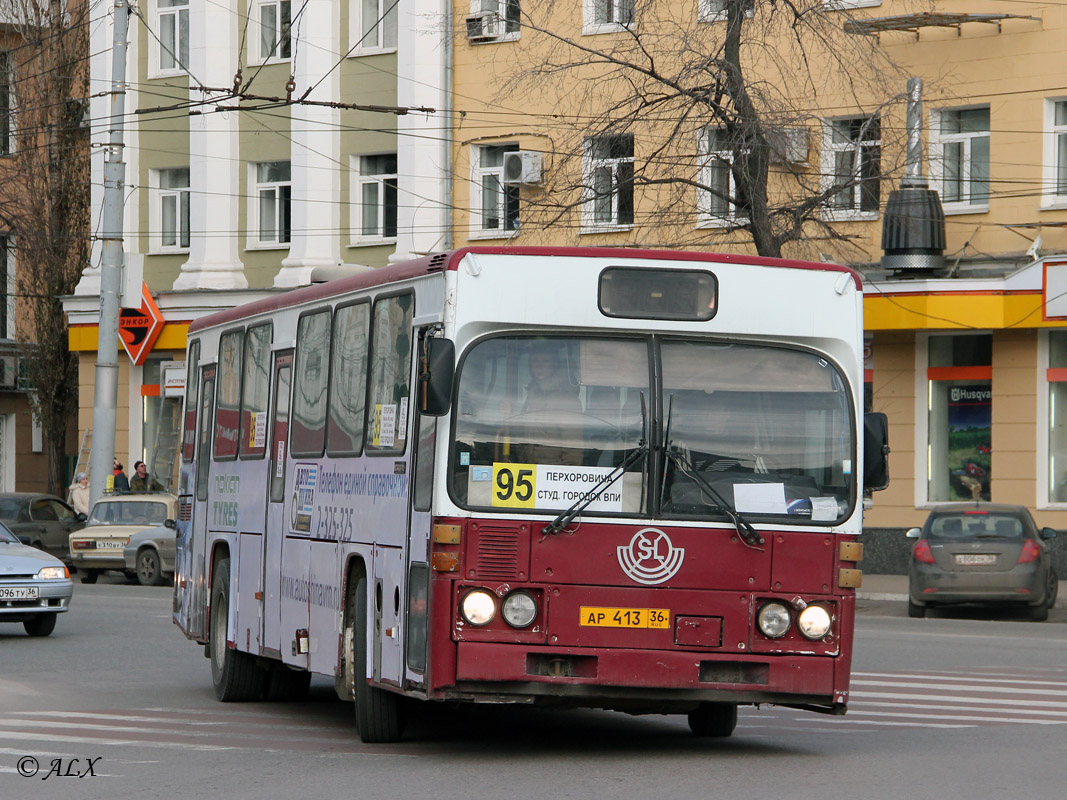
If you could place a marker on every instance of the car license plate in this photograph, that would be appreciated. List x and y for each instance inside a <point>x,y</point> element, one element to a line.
<point>601,617</point>
<point>19,593</point>
<point>975,559</point>
<point>108,545</point>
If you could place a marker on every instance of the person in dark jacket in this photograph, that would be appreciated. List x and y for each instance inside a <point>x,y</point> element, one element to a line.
<point>121,482</point>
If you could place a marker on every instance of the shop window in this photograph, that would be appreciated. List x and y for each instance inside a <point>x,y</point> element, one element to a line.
<point>960,409</point>
<point>1057,416</point>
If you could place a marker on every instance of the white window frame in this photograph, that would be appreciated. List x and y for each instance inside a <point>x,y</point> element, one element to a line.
<point>709,13</point>
<point>357,181</point>
<point>256,188</point>
<point>256,32</point>
<point>938,141</point>
<point>357,45</point>
<point>590,25</point>
<point>589,166</point>
<point>725,159</point>
<point>157,193</point>
<point>158,49</point>
<point>830,150</point>
<point>501,9</point>
<point>478,230</point>
<point>1053,189</point>
<point>840,5</point>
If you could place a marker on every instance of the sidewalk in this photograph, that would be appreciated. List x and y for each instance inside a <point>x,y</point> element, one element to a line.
<point>895,587</point>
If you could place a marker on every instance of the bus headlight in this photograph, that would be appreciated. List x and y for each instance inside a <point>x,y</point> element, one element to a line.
<point>478,607</point>
<point>519,609</point>
<point>814,622</point>
<point>773,620</point>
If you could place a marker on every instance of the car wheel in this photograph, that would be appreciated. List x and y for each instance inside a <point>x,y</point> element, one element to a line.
<point>90,576</point>
<point>235,674</point>
<point>1053,587</point>
<point>713,719</point>
<point>916,610</point>
<point>41,625</point>
<point>1039,613</point>
<point>379,715</point>
<point>149,572</point>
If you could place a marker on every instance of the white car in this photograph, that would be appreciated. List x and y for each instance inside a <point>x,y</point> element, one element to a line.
<point>114,519</point>
<point>35,587</point>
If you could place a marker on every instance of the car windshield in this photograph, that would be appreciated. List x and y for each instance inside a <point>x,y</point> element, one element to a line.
<point>976,526</point>
<point>767,428</point>
<point>6,535</point>
<point>128,512</point>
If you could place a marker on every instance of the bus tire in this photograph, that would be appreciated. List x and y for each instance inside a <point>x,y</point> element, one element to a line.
<point>286,685</point>
<point>379,715</point>
<point>235,674</point>
<point>713,719</point>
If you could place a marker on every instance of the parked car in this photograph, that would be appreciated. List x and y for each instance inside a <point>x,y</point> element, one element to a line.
<point>41,521</point>
<point>35,587</point>
<point>150,555</point>
<point>112,521</point>
<point>983,553</point>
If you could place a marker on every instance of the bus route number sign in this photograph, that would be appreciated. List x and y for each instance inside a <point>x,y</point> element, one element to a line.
<point>515,485</point>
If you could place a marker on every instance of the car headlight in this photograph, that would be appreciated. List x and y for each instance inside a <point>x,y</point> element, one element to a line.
<point>773,620</point>
<point>519,609</point>
<point>478,607</point>
<point>814,622</point>
<point>52,574</point>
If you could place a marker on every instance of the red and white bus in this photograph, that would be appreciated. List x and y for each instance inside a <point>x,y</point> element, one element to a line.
<point>606,478</point>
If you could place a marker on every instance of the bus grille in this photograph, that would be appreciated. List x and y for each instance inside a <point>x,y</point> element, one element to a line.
<point>498,551</point>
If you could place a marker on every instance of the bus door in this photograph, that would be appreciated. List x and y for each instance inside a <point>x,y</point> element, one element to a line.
<point>198,544</point>
<point>276,526</point>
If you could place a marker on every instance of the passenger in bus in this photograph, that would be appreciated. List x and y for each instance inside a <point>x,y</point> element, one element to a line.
<point>550,429</point>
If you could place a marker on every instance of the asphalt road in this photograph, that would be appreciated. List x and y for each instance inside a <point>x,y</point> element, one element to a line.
<point>957,705</point>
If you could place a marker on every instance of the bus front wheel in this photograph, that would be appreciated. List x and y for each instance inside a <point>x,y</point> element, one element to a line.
<point>713,719</point>
<point>235,674</point>
<point>379,716</point>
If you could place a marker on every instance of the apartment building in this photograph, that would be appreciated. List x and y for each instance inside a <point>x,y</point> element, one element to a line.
<point>266,141</point>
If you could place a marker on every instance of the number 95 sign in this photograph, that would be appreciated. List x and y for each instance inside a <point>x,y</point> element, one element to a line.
<point>515,485</point>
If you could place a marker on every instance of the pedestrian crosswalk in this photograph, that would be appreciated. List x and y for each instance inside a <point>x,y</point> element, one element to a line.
<point>880,701</point>
<point>937,699</point>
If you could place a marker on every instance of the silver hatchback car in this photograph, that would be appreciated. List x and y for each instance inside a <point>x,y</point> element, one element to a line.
<point>987,553</point>
<point>35,587</point>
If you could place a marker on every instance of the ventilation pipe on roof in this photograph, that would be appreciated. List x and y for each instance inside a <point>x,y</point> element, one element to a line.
<point>913,228</point>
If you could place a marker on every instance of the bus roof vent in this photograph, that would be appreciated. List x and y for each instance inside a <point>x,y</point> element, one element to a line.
<point>913,227</point>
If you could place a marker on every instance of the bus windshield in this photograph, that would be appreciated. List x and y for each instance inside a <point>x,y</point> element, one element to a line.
<point>762,429</point>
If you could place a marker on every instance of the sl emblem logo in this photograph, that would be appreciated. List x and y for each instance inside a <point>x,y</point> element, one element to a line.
<point>650,558</point>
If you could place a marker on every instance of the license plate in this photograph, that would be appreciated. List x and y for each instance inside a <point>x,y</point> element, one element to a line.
<point>600,617</point>
<point>975,559</point>
<point>19,593</point>
<point>106,545</point>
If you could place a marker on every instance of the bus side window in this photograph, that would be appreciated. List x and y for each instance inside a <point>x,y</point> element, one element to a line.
<point>348,380</point>
<point>256,385</point>
<point>207,427</point>
<point>390,371</point>
<point>281,429</point>
<point>191,385</point>
<point>312,372</point>
<point>423,492</point>
<point>229,401</point>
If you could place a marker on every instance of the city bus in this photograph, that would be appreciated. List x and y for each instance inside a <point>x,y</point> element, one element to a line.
<point>603,478</point>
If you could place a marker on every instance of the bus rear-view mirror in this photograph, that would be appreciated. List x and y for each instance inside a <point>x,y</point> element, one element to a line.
<point>875,451</point>
<point>437,368</point>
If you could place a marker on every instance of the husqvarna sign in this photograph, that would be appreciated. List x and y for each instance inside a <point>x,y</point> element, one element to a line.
<point>651,557</point>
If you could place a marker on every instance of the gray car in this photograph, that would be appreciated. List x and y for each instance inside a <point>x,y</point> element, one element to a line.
<point>985,553</point>
<point>150,554</point>
<point>35,587</point>
<point>41,521</point>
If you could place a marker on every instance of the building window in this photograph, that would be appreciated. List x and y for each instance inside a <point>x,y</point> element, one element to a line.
<point>174,208</point>
<point>273,200</point>
<point>609,181</point>
<point>376,204</point>
<point>274,22</point>
<point>495,205</point>
<point>717,197</point>
<point>7,288</point>
<point>375,25</point>
<point>1057,416</point>
<point>960,150</point>
<point>498,19</point>
<point>960,417</point>
<point>7,105</point>
<point>1055,184</point>
<point>853,147</point>
<point>173,27</point>
<point>604,16</point>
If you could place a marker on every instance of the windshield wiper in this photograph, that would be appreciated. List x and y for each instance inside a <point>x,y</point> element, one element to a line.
<point>744,528</point>
<point>566,517</point>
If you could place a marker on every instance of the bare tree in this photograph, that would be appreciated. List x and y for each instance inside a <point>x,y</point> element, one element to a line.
<point>716,120</point>
<point>44,200</point>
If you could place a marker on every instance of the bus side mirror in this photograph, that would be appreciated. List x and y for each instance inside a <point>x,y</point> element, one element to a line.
<point>437,367</point>
<point>875,451</point>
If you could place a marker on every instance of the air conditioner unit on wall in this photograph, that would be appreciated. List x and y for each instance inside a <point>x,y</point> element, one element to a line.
<point>522,167</point>
<point>789,145</point>
<point>9,372</point>
<point>482,26</point>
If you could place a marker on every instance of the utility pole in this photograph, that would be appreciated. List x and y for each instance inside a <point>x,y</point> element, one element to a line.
<point>111,265</point>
